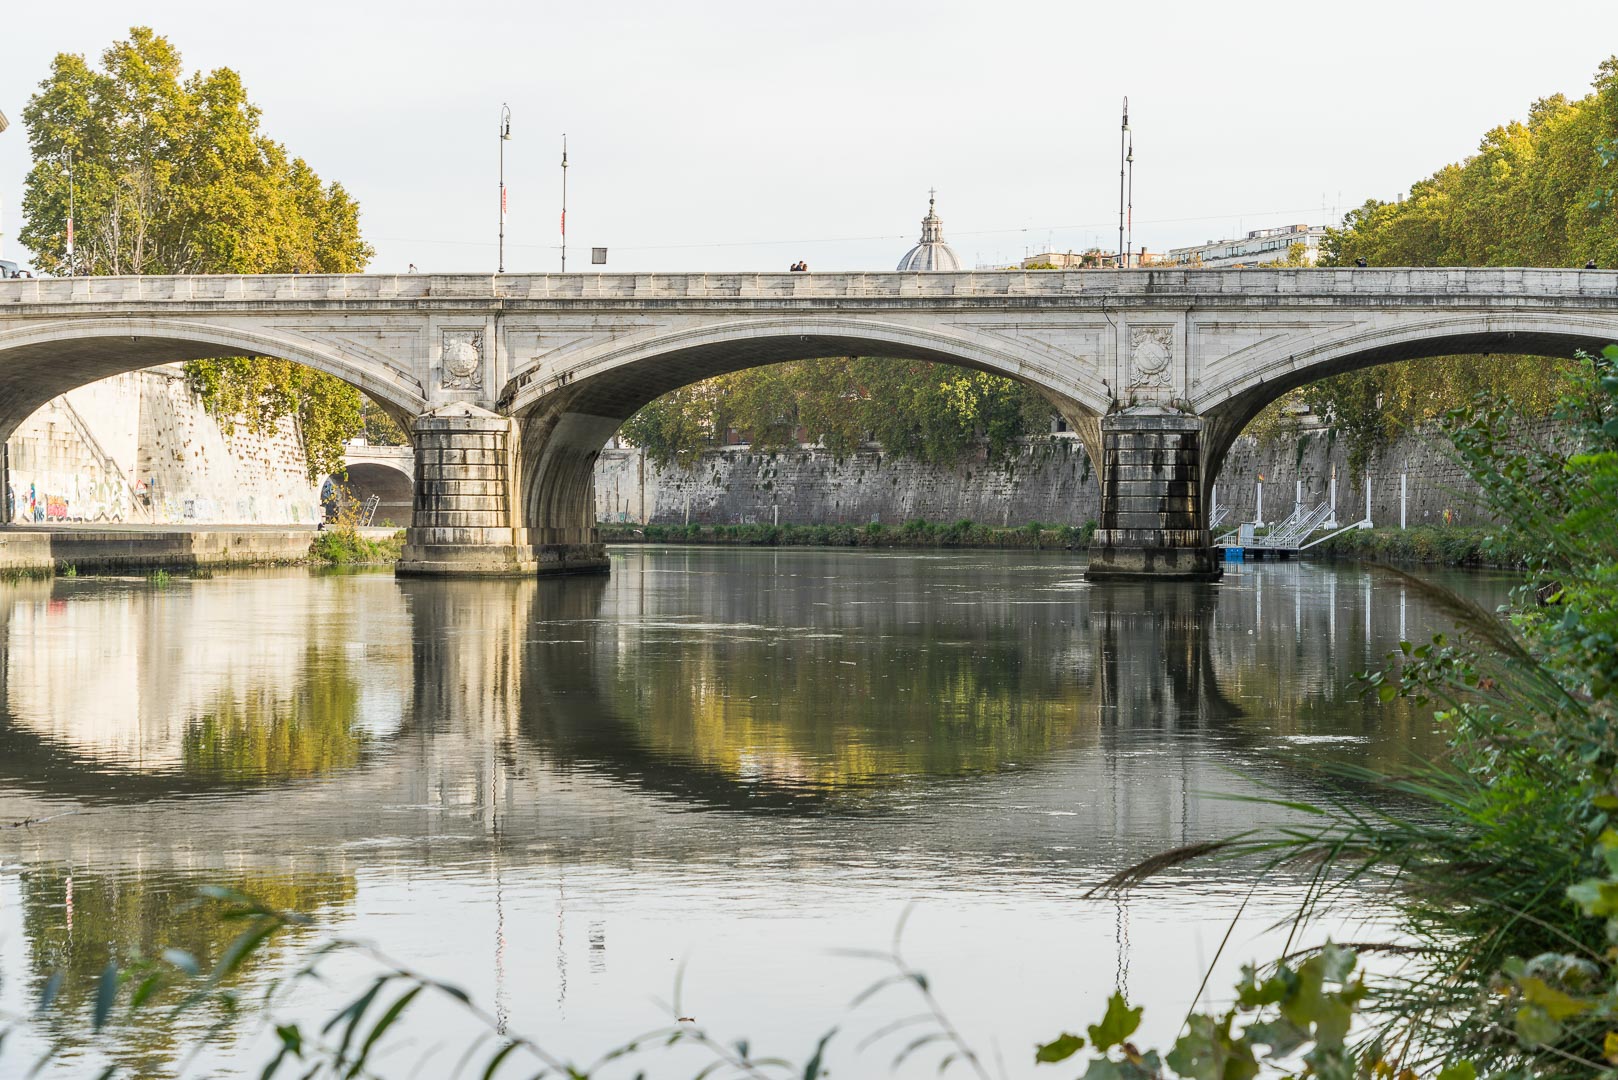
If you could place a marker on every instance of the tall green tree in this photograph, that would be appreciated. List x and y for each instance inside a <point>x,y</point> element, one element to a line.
<point>171,175</point>
<point>1539,192</point>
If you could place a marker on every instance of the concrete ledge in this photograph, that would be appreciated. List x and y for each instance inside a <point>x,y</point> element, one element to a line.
<point>29,550</point>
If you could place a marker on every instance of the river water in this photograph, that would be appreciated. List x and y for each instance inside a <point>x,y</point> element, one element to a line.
<point>559,795</point>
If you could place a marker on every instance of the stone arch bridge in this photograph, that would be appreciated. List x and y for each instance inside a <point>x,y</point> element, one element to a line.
<point>510,385</point>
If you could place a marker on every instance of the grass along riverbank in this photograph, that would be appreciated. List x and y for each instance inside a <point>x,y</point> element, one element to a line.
<point>1427,546</point>
<point>911,534</point>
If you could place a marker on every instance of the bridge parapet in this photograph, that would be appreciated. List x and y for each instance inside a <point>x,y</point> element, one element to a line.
<point>1383,286</point>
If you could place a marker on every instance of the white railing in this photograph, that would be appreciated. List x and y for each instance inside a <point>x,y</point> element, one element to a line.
<point>1299,528</point>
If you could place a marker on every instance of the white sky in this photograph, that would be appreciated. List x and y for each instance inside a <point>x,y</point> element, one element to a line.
<point>745,135</point>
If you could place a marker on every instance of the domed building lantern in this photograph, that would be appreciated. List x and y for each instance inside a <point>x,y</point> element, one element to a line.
<point>932,253</point>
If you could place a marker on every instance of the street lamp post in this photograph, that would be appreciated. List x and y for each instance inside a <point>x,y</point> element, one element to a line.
<point>505,137</point>
<point>1123,139</point>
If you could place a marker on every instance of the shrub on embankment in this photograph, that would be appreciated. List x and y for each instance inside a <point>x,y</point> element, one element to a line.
<point>1426,545</point>
<point>911,534</point>
<point>346,547</point>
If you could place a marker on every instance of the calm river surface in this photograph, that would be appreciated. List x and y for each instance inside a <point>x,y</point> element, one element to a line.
<point>555,793</point>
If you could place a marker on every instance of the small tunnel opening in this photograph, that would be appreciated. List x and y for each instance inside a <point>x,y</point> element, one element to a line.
<point>374,494</point>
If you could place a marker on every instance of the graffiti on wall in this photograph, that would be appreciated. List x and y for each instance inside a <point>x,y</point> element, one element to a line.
<point>78,498</point>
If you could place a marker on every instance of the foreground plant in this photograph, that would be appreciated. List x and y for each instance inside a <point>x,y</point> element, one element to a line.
<point>1503,855</point>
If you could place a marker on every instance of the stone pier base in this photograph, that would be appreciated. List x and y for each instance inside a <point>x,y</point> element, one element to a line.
<point>1153,523</point>
<point>461,523</point>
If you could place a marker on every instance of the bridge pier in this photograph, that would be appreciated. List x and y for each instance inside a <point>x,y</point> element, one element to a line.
<point>466,520</point>
<point>1154,523</point>
<point>461,521</point>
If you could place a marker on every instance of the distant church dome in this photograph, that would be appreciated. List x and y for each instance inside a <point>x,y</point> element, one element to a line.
<point>932,253</point>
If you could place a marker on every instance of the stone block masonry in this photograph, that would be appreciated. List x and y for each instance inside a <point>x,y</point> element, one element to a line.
<point>1151,488</point>
<point>1045,480</point>
<point>140,448</point>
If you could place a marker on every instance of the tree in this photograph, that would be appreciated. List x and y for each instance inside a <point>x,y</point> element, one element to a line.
<point>936,413</point>
<point>171,175</point>
<point>1538,193</point>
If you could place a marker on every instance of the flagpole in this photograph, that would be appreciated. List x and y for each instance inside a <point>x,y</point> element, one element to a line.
<point>70,211</point>
<point>564,202</point>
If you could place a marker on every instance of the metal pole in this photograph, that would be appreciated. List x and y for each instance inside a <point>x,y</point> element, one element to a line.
<point>505,136</point>
<point>564,202</point>
<point>1123,137</point>
<point>70,209</point>
<point>1404,478</point>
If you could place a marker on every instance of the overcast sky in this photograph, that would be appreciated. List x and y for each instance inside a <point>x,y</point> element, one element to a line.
<point>743,136</point>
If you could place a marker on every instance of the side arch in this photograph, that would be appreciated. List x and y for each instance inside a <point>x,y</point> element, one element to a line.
<point>43,359</point>
<point>392,487</point>
<point>1231,403</point>
<point>571,405</point>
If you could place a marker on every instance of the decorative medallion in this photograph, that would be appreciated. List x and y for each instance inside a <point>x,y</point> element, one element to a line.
<point>1151,348</point>
<point>462,356</point>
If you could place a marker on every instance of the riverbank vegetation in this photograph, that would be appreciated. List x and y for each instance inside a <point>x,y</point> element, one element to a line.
<point>345,545</point>
<point>1426,545</point>
<point>171,175</point>
<point>916,533</point>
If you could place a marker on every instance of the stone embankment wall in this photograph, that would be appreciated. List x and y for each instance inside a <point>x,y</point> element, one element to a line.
<point>141,449</point>
<point>1046,480</point>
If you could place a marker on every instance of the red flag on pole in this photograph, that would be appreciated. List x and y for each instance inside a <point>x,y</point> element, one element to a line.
<point>564,222</point>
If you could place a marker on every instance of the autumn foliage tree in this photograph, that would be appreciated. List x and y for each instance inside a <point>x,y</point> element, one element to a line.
<point>171,175</point>
<point>1539,192</point>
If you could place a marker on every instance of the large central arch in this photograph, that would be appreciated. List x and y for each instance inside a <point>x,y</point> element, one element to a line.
<point>571,407</point>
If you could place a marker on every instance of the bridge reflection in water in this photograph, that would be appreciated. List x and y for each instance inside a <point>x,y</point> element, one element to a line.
<point>704,728</point>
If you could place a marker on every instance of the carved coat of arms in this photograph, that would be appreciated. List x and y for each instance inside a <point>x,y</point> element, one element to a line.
<point>1151,350</point>
<point>461,354</point>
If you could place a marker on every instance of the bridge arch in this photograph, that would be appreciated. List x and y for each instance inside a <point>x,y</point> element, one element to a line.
<point>42,360</point>
<point>1229,403</point>
<point>570,405</point>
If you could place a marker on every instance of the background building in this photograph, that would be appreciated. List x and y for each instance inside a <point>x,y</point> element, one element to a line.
<point>1093,259</point>
<point>1258,246</point>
